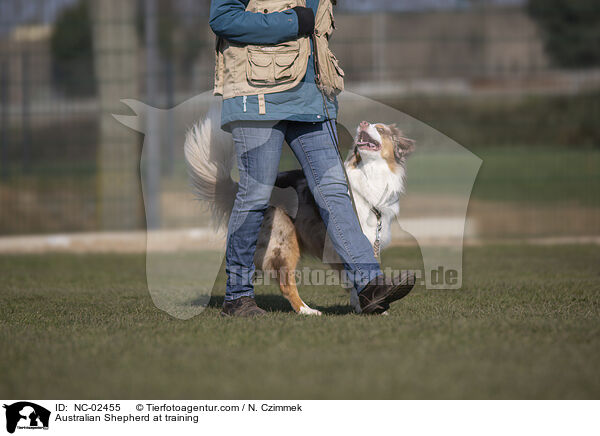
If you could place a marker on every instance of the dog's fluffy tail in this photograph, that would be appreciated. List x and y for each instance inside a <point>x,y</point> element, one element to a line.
<point>209,153</point>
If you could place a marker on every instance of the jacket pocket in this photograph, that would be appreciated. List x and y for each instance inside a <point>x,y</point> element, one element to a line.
<point>273,65</point>
<point>284,66</point>
<point>331,74</point>
<point>336,65</point>
<point>334,83</point>
<point>260,68</point>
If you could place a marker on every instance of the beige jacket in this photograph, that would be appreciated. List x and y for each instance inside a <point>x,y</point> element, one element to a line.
<point>266,69</point>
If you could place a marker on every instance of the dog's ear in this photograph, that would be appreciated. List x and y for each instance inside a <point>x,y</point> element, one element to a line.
<point>403,146</point>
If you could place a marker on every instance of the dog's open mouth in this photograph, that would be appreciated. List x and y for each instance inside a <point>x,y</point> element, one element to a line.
<point>365,142</point>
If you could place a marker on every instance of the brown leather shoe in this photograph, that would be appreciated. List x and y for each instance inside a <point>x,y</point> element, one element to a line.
<point>379,293</point>
<point>243,307</point>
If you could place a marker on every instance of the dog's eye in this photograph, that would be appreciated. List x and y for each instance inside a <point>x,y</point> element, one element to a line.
<point>380,129</point>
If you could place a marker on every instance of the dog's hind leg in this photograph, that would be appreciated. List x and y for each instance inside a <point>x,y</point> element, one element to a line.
<point>281,255</point>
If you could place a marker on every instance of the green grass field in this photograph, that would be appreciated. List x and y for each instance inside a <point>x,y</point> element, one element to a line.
<point>525,325</point>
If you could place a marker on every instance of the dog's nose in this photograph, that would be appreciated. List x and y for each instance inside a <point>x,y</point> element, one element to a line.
<point>364,125</point>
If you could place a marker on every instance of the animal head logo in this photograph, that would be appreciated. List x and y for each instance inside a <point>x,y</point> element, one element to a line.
<point>26,415</point>
<point>433,212</point>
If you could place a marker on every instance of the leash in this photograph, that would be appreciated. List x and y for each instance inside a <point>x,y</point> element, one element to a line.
<point>377,212</point>
<point>329,121</point>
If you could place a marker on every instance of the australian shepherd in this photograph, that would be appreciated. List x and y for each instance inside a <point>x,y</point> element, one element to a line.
<point>376,172</point>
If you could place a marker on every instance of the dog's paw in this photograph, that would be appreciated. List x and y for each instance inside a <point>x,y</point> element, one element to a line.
<point>305,310</point>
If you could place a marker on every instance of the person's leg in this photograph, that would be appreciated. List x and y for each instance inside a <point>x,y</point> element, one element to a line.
<point>258,147</point>
<point>313,145</point>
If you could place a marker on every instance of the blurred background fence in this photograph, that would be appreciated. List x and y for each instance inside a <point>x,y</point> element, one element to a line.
<point>516,82</point>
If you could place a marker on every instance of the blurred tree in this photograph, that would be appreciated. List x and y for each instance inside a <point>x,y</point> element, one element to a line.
<point>116,62</point>
<point>179,39</point>
<point>167,22</point>
<point>571,29</point>
<point>72,53</point>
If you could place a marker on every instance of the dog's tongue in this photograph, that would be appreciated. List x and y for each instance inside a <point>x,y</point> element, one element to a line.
<point>366,144</point>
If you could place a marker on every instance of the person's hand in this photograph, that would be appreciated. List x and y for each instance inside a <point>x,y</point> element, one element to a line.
<point>306,20</point>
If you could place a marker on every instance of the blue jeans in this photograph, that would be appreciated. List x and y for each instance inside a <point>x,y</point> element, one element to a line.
<point>258,147</point>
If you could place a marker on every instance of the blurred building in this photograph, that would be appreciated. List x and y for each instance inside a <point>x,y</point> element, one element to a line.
<point>26,63</point>
<point>14,13</point>
<point>439,44</point>
<point>419,5</point>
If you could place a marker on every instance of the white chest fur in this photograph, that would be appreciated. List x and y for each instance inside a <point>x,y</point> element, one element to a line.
<point>375,185</point>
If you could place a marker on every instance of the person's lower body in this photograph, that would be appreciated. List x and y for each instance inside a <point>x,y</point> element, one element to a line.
<point>258,147</point>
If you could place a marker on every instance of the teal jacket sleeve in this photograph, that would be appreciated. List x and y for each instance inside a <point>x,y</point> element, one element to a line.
<point>230,20</point>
